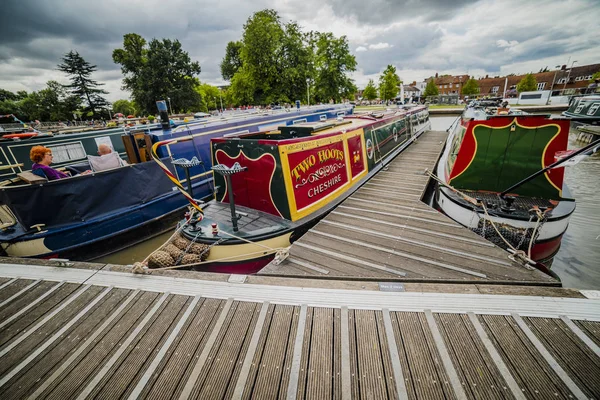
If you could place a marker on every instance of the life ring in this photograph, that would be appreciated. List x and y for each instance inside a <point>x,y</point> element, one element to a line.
<point>20,135</point>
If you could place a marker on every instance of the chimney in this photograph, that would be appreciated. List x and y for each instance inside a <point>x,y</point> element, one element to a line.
<point>436,74</point>
<point>563,68</point>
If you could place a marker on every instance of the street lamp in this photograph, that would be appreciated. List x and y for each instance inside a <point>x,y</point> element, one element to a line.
<point>569,75</point>
<point>554,79</point>
<point>308,91</point>
<point>170,108</point>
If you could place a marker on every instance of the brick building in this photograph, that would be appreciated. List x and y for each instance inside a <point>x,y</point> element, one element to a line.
<point>572,80</point>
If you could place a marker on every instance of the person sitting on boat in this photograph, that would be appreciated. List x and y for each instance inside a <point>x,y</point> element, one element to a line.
<point>106,159</point>
<point>42,158</point>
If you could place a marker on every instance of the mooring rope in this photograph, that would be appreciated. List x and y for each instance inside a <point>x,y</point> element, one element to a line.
<point>519,253</point>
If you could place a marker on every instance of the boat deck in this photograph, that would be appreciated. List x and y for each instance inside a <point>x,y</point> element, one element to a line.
<point>385,232</point>
<point>91,333</point>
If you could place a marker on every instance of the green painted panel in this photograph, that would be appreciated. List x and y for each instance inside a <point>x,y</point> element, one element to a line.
<point>504,158</point>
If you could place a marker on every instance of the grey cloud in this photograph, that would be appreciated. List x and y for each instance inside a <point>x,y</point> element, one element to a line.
<point>385,11</point>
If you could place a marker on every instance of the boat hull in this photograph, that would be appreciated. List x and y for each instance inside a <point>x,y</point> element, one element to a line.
<point>309,176</point>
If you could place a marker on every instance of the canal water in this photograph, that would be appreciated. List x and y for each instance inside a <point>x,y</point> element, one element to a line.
<point>578,261</point>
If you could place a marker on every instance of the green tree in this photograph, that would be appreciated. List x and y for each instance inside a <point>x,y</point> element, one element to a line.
<point>211,97</point>
<point>124,107</point>
<point>158,70</point>
<point>333,62</point>
<point>262,37</point>
<point>370,92</point>
<point>527,84</point>
<point>470,87</point>
<point>595,76</point>
<point>241,91</point>
<point>388,83</point>
<point>82,85</point>
<point>431,89</point>
<point>232,60</point>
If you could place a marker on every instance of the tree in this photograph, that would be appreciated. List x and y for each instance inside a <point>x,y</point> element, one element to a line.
<point>431,89</point>
<point>388,83</point>
<point>333,62</point>
<point>82,85</point>
<point>232,60</point>
<point>527,84</point>
<point>158,70</point>
<point>470,87</point>
<point>211,97</point>
<point>370,93</point>
<point>595,76</point>
<point>124,107</point>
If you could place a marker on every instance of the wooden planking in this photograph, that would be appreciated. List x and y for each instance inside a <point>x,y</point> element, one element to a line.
<point>177,364</point>
<point>476,369</point>
<point>320,372</point>
<point>128,369</point>
<point>590,328</point>
<point>28,339</point>
<point>12,327</point>
<point>424,374</point>
<point>268,377</point>
<point>255,344</point>
<point>13,288</point>
<point>534,376</point>
<point>227,354</point>
<point>47,362</point>
<point>83,369</point>
<point>18,304</point>
<point>572,354</point>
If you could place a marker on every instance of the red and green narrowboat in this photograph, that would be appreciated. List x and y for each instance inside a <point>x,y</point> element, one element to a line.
<point>283,181</point>
<point>486,154</point>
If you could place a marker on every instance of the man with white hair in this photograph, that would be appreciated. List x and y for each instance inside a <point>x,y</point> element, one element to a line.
<point>106,159</point>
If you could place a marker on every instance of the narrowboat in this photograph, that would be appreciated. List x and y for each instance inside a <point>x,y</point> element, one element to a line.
<point>584,110</point>
<point>496,176</point>
<point>88,216</point>
<point>272,186</point>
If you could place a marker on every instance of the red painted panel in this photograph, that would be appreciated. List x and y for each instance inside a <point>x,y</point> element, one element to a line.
<point>251,188</point>
<point>357,164</point>
<point>317,172</point>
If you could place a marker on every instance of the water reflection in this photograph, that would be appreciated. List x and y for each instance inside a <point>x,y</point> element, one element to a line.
<point>578,261</point>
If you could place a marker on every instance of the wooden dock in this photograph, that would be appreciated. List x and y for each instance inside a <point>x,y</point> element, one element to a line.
<point>384,231</point>
<point>92,333</point>
<point>395,302</point>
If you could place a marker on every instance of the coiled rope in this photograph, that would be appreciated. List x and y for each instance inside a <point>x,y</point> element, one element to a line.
<point>519,253</point>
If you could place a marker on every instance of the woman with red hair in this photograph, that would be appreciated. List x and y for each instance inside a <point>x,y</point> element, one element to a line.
<point>42,158</point>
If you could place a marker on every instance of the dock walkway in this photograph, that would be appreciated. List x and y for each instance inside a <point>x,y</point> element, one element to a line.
<point>90,333</point>
<point>385,232</point>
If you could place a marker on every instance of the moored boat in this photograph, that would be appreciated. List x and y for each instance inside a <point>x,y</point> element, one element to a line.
<point>584,110</point>
<point>274,185</point>
<point>494,178</point>
<point>89,216</point>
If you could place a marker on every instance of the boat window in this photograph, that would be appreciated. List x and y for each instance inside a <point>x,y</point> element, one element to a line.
<point>299,121</point>
<point>322,117</point>
<point>68,152</point>
<point>593,109</point>
<point>455,147</point>
<point>579,108</point>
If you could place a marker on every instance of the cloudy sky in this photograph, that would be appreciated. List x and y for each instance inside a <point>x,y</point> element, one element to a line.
<point>420,38</point>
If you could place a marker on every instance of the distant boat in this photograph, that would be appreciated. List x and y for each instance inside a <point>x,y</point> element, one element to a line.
<point>281,182</point>
<point>486,154</point>
<point>584,110</point>
<point>89,216</point>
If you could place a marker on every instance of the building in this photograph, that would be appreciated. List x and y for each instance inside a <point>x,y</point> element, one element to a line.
<point>447,84</point>
<point>566,81</point>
